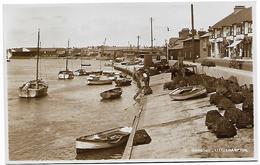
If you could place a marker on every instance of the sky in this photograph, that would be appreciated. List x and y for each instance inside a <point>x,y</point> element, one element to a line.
<point>120,23</point>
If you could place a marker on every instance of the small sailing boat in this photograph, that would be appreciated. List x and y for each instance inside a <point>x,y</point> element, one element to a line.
<point>103,140</point>
<point>66,74</point>
<point>112,93</point>
<point>189,92</point>
<point>81,71</point>
<point>37,87</point>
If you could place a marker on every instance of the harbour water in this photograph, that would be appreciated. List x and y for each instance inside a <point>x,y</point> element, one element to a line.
<point>46,128</point>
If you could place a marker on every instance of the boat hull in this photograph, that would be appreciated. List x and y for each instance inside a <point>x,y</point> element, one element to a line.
<point>185,93</point>
<point>63,75</point>
<point>111,94</point>
<point>123,82</point>
<point>85,146</point>
<point>31,92</point>
<point>103,140</point>
<point>99,82</point>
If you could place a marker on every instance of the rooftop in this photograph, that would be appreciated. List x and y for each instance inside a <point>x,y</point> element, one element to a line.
<point>235,18</point>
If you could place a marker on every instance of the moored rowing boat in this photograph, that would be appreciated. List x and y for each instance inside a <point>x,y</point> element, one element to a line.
<point>103,140</point>
<point>112,93</point>
<point>184,93</point>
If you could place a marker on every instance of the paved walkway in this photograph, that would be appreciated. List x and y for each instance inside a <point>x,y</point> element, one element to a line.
<point>243,76</point>
<point>178,130</point>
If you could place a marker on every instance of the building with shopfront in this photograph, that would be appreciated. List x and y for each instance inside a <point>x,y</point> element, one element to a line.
<point>232,36</point>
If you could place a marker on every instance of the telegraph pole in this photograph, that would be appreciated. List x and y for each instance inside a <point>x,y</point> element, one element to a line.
<point>151,32</point>
<point>138,38</point>
<point>192,33</point>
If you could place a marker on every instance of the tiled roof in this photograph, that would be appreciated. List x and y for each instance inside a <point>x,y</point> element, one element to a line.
<point>235,17</point>
<point>177,45</point>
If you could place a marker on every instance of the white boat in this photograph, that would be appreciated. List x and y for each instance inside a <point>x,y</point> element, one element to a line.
<point>66,74</point>
<point>102,140</point>
<point>93,77</point>
<point>37,87</point>
<point>99,82</point>
<point>184,93</point>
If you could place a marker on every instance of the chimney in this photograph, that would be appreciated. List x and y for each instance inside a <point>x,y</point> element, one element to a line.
<point>184,33</point>
<point>238,8</point>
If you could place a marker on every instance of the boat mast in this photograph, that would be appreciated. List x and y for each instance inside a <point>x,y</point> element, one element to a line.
<point>67,59</point>
<point>151,32</point>
<point>37,63</point>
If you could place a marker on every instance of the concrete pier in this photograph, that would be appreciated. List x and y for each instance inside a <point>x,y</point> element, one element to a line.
<point>178,130</point>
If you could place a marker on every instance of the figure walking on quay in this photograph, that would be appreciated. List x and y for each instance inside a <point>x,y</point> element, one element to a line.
<point>146,88</point>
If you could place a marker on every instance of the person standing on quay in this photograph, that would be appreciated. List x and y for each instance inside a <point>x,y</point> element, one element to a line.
<point>146,78</point>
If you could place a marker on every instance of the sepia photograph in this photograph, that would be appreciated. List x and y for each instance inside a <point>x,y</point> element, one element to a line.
<point>130,82</point>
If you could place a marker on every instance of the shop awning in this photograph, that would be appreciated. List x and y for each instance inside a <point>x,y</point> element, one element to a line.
<point>234,43</point>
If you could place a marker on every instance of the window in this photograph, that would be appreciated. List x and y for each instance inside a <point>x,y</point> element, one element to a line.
<point>243,29</point>
<point>250,30</point>
<point>213,47</point>
<point>228,31</point>
<point>219,34</point>
<point>238,29</point>
<point>231,30</point>
<point>212,35</point>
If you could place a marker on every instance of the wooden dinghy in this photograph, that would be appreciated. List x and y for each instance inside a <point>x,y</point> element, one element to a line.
<point>184,93</point>
<point>112,93</point>
<point>123,81</point>
<point>102,140</point>
<point>99,81</point>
